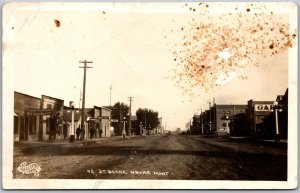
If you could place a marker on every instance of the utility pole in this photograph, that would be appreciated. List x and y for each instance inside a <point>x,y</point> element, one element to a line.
<point>210,118</point>
<point>83,95</point>
<point>110,95</point>
<point>79,99</point>
<point>201,121</point>
<point>130,100</point>
<point>146,120</point>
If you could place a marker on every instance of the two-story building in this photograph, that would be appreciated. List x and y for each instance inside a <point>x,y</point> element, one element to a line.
<point>26,127</point>
<point>37,119</point>
<point>98,118</point>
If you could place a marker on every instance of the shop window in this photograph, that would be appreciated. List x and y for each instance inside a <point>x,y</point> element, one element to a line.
<point>16,125</point>
<point>259,119</point>
<point>26,123</point>
<point>49,106</point>
<point>32,125</point>
<point>47,125</point>
<point>22,122</point>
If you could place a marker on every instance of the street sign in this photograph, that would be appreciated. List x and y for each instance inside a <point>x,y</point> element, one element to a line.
<point>103,117</point>
<point>114,120</point>
<point>37,112</point>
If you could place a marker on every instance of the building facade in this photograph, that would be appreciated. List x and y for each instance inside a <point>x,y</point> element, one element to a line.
<point>257,112</point>
<point>37,119</point>
<point>222,118</point>
<point>218,119</point>
<point>98,118</point>
<point>52,127</point>
<point>105,122</point>
<point>26,127</point>
<point>267,127</point>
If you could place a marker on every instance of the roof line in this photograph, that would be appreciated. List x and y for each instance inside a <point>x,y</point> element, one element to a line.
<point>27,95</point>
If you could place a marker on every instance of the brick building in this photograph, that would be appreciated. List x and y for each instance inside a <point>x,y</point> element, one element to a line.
<point>218,119</point>
<point>223,117</point>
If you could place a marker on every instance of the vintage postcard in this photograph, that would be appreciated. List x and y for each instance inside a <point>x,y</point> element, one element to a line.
<point>181,95</point>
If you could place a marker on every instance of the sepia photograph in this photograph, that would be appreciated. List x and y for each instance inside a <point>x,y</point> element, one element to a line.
<point>160,95</point>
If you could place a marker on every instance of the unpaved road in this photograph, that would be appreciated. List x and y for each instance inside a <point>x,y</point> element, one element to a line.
<point>179,157</point>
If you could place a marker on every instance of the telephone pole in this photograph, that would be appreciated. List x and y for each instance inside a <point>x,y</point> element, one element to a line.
<point>80,99</point>
<point>83,95</point>
<point>110,95</point>
<point>130,100</point>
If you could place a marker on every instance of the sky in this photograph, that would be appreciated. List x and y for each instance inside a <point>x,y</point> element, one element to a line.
<point>132,49</point>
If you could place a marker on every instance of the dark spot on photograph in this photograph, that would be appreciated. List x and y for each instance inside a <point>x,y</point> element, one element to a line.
<point>57,23</point>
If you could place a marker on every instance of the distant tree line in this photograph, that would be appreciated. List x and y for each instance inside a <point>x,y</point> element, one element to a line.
<point>147,118</point>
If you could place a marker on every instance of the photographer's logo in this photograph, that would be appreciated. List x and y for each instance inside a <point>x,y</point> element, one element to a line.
<point>29,169</point>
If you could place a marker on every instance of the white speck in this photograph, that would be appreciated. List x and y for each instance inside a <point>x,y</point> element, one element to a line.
<point>242,62</point>
<point>225,54</point>
<point>224,78</point>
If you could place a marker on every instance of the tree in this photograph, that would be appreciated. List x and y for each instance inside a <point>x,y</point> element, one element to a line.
<point>240,125</point>
<point>119,111</point>
<point>123,107</point>
<point>195,127</point>
<point>149,117</point>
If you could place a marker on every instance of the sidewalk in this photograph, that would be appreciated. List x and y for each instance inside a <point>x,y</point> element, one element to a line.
<point>88,141</point>
<point>249,139</point>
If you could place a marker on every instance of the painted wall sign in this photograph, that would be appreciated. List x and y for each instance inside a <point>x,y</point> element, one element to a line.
<point>264,107</point>
<point>36,112</point>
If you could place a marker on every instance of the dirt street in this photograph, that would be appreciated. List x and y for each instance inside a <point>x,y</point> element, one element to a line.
<point>156,157</point>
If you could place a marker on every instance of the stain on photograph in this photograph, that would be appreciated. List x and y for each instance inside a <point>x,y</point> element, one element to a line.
<point>196,91</point>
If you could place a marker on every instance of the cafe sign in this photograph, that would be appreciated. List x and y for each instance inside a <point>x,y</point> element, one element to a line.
<point>264,107</point>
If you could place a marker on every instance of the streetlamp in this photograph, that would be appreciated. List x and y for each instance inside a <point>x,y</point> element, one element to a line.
<point>276,108</point>
<point>72,131</point>
<point>124,131</point>
<point>141,128</point>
